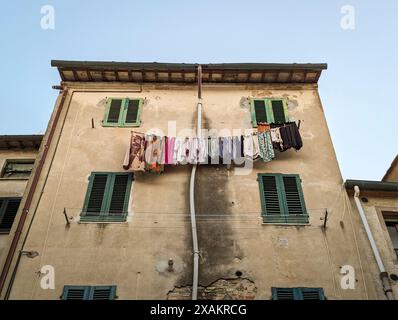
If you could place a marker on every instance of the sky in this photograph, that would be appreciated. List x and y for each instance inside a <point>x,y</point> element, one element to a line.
<point>360,48</point>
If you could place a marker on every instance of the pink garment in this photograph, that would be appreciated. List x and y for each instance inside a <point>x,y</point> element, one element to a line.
<point>170,150</point>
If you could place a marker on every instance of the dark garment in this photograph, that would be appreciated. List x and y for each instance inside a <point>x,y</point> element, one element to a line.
<point>290,136</point>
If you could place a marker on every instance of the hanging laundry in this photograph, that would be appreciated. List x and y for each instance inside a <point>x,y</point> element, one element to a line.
<point>153,154</point>
<point>226,149</point>
<point>264,138</point>
<point>163,150</point>
<point>214,150</point>
<point>193,150</point>
<point>170,143</point>
<point>183,147</point>
<point>291,137</point>
<point>276,138</point>
<point>135,154</point>
<point>251,147</point>
<point>203,150</point>
<point>237,150</point>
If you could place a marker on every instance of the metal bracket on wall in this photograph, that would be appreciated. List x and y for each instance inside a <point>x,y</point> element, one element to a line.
<point>325,219</point>
<point>66,217</point>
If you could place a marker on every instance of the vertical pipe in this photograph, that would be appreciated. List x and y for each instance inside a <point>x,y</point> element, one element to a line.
<point>192,195</point>
<point>383,274</point>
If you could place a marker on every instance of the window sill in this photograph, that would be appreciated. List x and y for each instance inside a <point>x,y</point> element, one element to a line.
<point>301,220</point>
<point>122,126</point>
<point>281,224</point>
<point>2,179</point>
<point>103,219</point>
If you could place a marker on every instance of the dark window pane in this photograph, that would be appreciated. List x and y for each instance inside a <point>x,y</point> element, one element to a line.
<point>132,111</point>
<point>278,111</point>
<point>114,111</point>
<point>97,194</point>
<point>118,195</point>
<point>271,195</point>
<point>259,108</point>
<point>10,211</point>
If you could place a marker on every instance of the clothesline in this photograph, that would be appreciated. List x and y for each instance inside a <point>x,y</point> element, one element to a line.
<point>150,152</point>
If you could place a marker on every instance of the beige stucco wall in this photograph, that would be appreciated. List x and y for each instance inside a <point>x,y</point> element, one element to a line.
<point>392,173</point>
<point>14,187</point>
<point>231,235</point>
<point>377,203</point>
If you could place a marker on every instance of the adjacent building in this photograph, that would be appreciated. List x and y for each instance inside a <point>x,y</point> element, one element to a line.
<point>17,158</point>
<point>284,229</point>
<point>379,202</point>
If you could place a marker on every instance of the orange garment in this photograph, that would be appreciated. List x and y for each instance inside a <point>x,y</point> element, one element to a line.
<point>263,127</point>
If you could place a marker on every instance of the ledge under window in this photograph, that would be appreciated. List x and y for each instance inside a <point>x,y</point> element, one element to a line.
<point>103,218</point>
<point>286,219</point>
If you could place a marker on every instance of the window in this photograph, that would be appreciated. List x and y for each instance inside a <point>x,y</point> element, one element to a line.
<point>8,210</point>
<point>107,197</point>
<point>89,293</point>
<point>282,199</point>
<point>391,221</point>
<point>20,169</point>
<point>268,111</point>
<point>123,112</point>
<point>298,294</point>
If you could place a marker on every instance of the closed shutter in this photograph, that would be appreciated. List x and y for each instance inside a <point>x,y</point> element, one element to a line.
<point>95,203</point>
<point>297,294</point>
<point>312,294</point>
<point>293,195</point>
<point>282,199</point>
<point>8,211</point>
<point>260,111</point>
<point>119,192</point>
<point>114,111</point>
<point>278,111</point>
<point>271,195</point>
<point>103,293</point>
<point>107,197</point>
<point>283,294</point>
<point>76,293</point>
<point>132,111</point>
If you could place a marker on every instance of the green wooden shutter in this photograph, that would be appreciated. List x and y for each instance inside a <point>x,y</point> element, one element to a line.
<point>96,200</point>
<point>282,199</point>
<point>279,111</point>
<point>268,111</point>
<point>284,294</point>
<point>270,195</point>
<point>76,293</point>
<point>103,293</point>
<point>294,199</point>
<point>312,294</point>
<point>107,197</point>
<point>113,114</point>
<point>118,200</point>
<point>297,294</point>
<point>260,110</point>
<point>132,112</point>
<point>8,211</point>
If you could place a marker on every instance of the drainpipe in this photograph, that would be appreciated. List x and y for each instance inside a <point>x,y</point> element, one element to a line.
<point>192,195</point>
<point>383,273</point>
<point>30,195</point>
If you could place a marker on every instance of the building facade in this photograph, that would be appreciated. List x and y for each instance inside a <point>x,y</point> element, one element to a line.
<point>282,229</point>
<point>379,202</point>
<point>17,157</point>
